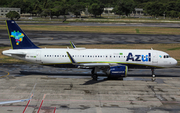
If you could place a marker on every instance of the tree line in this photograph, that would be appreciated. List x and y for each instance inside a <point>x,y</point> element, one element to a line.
<point>155,8</point>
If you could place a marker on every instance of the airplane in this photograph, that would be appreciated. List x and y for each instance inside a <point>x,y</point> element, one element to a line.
<point>113,62</point>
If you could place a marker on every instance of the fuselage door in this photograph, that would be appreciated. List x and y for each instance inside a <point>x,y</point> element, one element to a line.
<point>38,56</point>
<point>155,58</point>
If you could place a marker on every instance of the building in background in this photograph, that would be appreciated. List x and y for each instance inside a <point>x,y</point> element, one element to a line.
<point>4,11</point>
<point>108,10</point>
<point>138,12</point>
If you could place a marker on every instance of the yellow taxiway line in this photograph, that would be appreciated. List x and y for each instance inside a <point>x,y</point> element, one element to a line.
<point>5,75</point>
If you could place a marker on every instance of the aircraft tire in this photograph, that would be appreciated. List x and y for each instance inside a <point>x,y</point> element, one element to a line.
<point>94,77</point>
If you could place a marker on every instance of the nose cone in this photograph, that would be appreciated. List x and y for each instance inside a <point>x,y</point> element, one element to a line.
<point>174,62</point>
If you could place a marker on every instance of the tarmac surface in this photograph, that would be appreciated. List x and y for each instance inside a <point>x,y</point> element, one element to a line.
<point>63,90</point>
<point>63,38</point>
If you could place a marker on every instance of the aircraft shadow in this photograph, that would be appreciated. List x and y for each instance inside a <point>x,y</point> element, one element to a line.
<point>148,75</point>
<point>82,74</point>
<point>101,78</point>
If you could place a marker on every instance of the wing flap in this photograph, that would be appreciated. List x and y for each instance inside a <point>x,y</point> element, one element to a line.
<point>95,64</point>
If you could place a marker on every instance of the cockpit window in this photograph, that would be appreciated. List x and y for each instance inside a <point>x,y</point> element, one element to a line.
<point>167,56</point>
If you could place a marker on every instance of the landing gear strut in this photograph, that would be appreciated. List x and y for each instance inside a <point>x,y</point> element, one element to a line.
<point>94,77</point>
<point>153,75</point>
<point>94,74</point>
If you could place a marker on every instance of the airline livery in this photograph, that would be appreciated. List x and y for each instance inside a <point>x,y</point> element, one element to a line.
<point>113,62</point>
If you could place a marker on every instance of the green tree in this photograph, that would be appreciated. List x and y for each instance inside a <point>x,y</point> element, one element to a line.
<point>77,9</point>
<point>128,6</point>
<point>173,14</point>
<point>96,9</point>
<point>37,8</point>
<point>12,15</point>
<point>55,11</point>
<point>26,6</point>
<point>3,3</point>
<point>124,7</point>
<point>155,8</point>
<point>118,9</point>
<point>45,13</point>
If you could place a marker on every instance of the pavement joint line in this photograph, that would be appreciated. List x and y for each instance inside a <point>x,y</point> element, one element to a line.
<point>41,103</point>
<point>54,110</point>
<point>27,103</point>
<point>5,75</point>
<point>26,106</point>
<point>116,101</point>
<point>171,86</point>
<point>104,95</point>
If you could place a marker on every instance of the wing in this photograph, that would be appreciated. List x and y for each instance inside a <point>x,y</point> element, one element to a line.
<point>89,65</point>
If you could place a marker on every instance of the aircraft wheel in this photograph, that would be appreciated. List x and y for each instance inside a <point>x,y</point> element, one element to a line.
<point>94,77</point>
<point>153,79</point>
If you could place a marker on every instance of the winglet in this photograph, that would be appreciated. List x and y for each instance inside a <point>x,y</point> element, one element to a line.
<point>71,58</point>
<point>72,45</point>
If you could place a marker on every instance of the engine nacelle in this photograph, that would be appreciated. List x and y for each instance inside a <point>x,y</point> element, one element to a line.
<point>118,71</point>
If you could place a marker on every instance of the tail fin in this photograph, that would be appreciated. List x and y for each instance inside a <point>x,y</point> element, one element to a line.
<point>18,38</point>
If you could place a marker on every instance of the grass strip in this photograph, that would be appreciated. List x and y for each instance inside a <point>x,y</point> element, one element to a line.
<point>102,29</point>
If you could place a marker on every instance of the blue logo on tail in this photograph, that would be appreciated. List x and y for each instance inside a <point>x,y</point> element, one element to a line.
<point>18,36</point>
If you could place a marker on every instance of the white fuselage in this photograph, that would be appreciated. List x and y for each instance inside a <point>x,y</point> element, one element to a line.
<point>130,57</point>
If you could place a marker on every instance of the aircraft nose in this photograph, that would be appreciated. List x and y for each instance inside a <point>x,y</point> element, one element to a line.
<point>174,62</point>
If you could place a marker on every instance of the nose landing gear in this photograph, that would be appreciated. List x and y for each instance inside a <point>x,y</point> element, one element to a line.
<point>153,75</point>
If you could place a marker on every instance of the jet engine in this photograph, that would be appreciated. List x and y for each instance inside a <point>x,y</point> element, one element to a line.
<point>118,71</point>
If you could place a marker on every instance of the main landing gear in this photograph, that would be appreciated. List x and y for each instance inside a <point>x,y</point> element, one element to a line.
<point>153,75</point>
<point>94,74</point>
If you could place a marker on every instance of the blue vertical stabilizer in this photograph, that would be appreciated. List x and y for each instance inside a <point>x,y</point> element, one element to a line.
<point>18,38</point>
